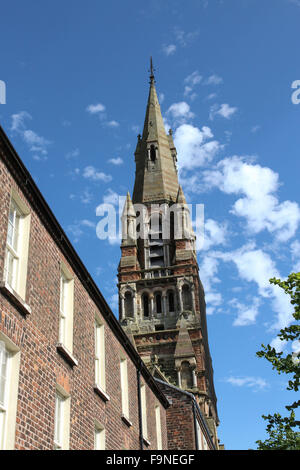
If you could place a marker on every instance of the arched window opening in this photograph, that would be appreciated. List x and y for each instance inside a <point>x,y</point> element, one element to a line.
<point>128,303</point>
<point>145,300</point>
<point>186,375</point>
<point>152,153</point>
<point>172,225</point>
<point>158,303</point>
<point>171,302</point>
<point>186,298</point>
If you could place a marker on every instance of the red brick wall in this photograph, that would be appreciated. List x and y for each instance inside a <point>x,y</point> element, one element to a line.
<point>181,432</point>
<point>42,367</point>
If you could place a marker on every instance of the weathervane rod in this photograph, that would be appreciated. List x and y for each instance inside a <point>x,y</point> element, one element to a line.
<point>151,71</point>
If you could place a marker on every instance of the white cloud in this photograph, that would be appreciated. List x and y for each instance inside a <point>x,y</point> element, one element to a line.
<point>214,234</point>
<point>295,2</point>
<point>208,273</point>
<point>36,143</point>
<point>114,302</point>
<point>259,206</point>
<point>161,98</point>
<point>95,108</point>
<point>256,383</point>
<point>295,252</point>
<point>190,82</point>
<point>73,154</point>
<point>77,231</point>
<point>255,265</point>
<point>135,128</point>
<point>112,123</point>
<point>88,223</point>
<point>86,197</point>
<point>184,38</point>
<point>181,111</point>
<point>111,197</point>
<point>211,96</point>
<point>193,147</point>
<point>193,79</point>
<point>116,161</point>
<point>255,129</point>
<point>224,110</point>
<point>18,120</point>
<point>213,80</point>
<point>246,314</point>
<point>169,49</point>
<point>93,174</point>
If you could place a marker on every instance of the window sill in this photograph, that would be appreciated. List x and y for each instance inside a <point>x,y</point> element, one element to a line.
<point>14,297</point>
<point>126,420</point>
<point>61,348</point>
<point>146,442</point>
<point>101,393</point>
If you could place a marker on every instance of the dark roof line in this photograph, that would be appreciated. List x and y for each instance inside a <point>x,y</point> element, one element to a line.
<point>27,184</point>
<point>190,395</point>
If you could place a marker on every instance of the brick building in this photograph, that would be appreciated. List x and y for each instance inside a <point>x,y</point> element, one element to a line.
<point>161,297</point>
<point>69,376</point>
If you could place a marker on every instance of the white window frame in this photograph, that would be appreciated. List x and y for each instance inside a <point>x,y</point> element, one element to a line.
<point>62,419</point>
<point>124,387</point>
<point>144,411</point>
<point>66,308</point>
<point>158,428</point>
<point>100,379</point>
<point>17,245</point>
<point>8,408</point>
<point>99,436</point>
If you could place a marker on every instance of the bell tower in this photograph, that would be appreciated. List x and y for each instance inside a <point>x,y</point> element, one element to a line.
<point>161,298</point>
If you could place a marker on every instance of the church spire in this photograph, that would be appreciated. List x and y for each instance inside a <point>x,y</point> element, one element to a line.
<point>155,156</point>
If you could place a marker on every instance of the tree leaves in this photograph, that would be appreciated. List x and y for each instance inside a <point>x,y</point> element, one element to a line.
<point>282,435</point>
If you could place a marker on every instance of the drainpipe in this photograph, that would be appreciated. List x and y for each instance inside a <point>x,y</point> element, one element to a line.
<point>138,373</point>
<point>195,426</point>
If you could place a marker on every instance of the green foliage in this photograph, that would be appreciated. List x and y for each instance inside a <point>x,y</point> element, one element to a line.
<point>283,434</point>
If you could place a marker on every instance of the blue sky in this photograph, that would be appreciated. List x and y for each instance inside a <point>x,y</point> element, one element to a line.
<point>76,76</point>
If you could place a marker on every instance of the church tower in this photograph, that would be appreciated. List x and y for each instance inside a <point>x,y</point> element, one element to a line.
<point>161,298</point>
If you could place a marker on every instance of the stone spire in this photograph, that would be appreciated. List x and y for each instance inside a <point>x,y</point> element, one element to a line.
<point>155,156</point>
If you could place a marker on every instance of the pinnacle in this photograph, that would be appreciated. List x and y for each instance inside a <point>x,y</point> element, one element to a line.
<point>128,207</point>
<point>180,196</point>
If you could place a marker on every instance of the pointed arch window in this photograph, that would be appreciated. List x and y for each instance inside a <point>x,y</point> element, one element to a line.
<point>128,303</point>
<point>186,298</point>
<point>186,375</point>
<point>171,302</point>
<point>145,302</point>
<point>153,153</point>
<point>158,303</point>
